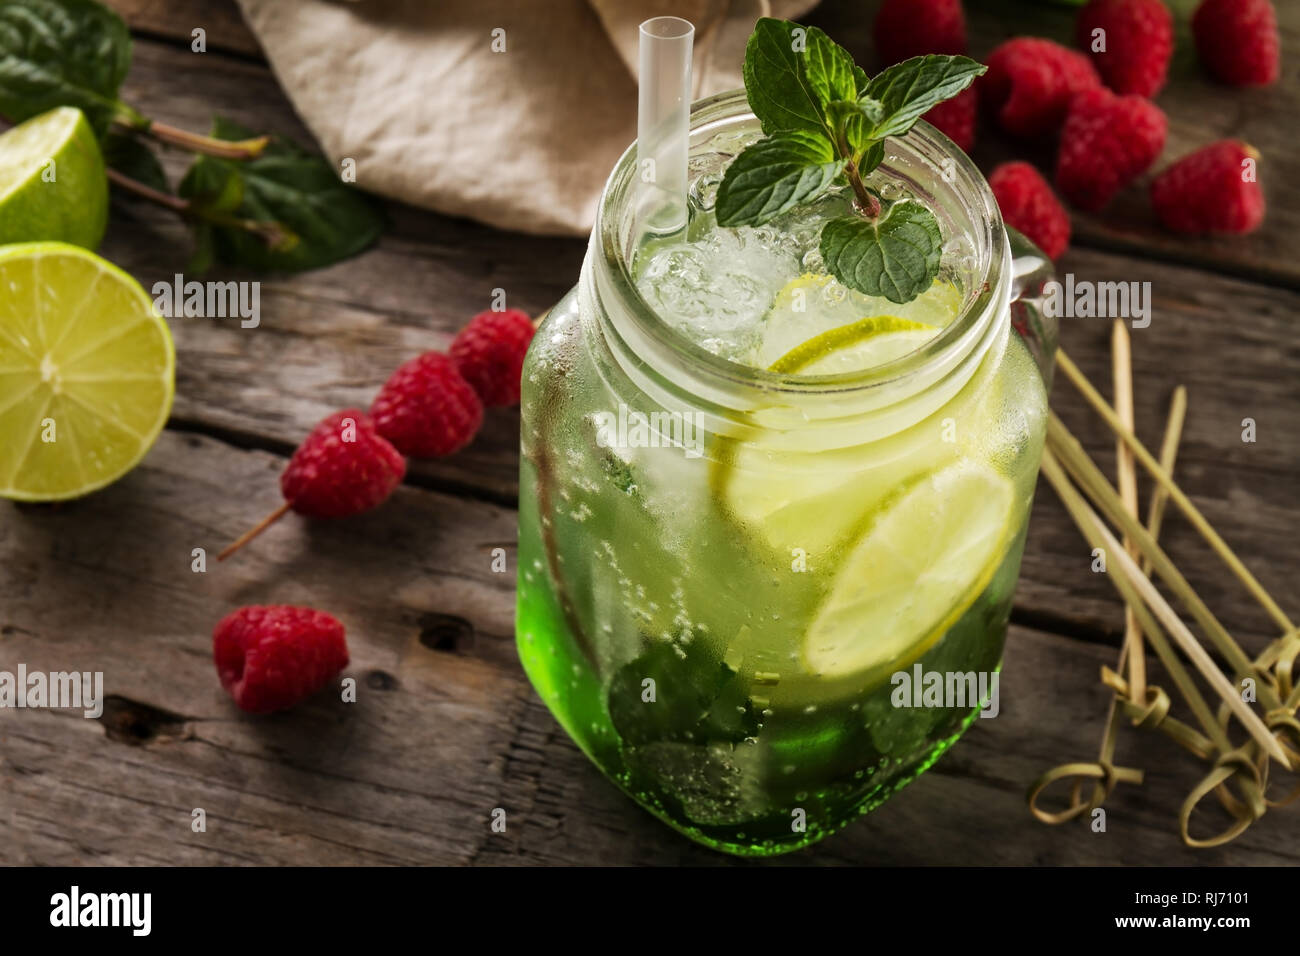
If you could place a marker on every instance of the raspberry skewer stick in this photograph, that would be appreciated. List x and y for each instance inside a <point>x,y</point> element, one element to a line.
<point>344,467</point>
<point>254,531</point>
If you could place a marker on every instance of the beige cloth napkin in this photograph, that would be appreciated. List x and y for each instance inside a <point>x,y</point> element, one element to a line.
<point>414,93</point>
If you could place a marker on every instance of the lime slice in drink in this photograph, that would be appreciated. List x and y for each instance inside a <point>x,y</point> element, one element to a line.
<point>813,501</point>
<point>87,372</point>
<point>920,563</point>
<point>52,181</point>
<point>871,341</point>
<point>811,305</point>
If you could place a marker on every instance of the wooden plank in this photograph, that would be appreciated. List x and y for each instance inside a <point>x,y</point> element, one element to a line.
<point>437,739</point>
<point>177,19</point>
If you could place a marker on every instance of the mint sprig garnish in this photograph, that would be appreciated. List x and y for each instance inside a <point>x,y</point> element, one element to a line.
<point>825,118</point>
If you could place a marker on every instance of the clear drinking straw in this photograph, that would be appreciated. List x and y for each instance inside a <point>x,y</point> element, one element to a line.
<point>663,123</point>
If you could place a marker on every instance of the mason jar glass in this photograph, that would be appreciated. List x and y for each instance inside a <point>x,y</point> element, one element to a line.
<point>761,603</point>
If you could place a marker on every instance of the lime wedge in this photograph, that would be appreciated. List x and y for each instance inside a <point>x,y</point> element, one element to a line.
<point>871,341</point>
<point>919,564</point>
<point>87,372</point>
<point>52,181</point>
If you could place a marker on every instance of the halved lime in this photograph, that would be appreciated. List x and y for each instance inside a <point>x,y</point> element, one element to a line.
<point>52,181</point>
<point>920,563</point>
<point>87,372</point>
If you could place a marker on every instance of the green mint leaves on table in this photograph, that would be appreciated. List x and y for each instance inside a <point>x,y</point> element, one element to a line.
<point>62,53</point>
<point>251,200</point>
<point>321,219</point>
<point>826,121</point>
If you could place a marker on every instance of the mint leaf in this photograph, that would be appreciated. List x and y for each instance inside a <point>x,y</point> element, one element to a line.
<point>860,79</point>
<point>829,69</point>
<point>895,256</point>
<point>852,121</point>
<point>286,185</point>
<point>132,158</point>
<point>791,72</point>
<point>693,703</point>
<point>213,186</point>
<point>873,157</point>
<point>773,175</point>
<point>907,90</point>
<point>62,53</point>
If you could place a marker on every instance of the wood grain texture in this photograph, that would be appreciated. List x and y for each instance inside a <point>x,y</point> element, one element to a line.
<point>446,727</point>
<point>177,19</point>
<point>437,739</point>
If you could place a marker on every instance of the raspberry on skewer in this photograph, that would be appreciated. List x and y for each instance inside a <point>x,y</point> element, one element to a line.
<point>489,354</point>
<point>344,467</point>
<point>426,409</point>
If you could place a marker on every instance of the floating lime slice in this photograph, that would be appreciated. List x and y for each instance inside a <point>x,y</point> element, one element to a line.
<point>87,372</point>
<point>919,564</point>
<point>860,345</point>
<point>52,181</point>
<point>810,502</point>
<point>813,304</point>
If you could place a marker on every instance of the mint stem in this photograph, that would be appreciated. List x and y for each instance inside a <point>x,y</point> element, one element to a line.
<point>272,233</point>
<point>868,204</point>
<point>134,122</point>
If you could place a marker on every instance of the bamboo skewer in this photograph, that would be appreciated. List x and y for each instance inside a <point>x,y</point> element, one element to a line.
<point>1145,711</point>
<point>1117,707</point>
<point>1098,489</point>
<point>1155,517</point>
<point>1168,456</point>
<point>1099,536</point>
<point>1149,618</point>
<point>1126,479</point>
<point>1184,503</point>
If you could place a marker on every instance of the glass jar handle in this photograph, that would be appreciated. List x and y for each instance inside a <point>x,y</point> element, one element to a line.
<point>1031,271</point>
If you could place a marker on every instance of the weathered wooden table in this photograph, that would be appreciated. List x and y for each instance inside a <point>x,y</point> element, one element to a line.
<point>447,728</point>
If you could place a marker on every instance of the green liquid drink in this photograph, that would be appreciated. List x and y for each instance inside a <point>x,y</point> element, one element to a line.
<point>759,509</point>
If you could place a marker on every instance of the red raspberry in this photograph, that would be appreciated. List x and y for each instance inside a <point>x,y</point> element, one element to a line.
<point>908,28</point>
<point>271,657</point>
<point>1139,41</point>
<point>1210,191</point>
<point>1106,143</point>
<point>342,468</point>
<point>1028,204</point>
<point>1030,82</point>
<point>955,118</point>
<point>489,352</point>
<point>426,409</point>
<point>1238,40</point>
